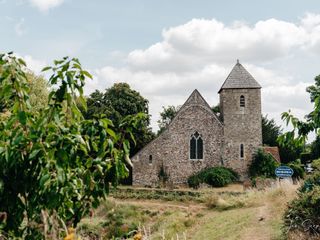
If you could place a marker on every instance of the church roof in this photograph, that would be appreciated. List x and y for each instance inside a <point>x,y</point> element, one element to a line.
<point>239,78</point>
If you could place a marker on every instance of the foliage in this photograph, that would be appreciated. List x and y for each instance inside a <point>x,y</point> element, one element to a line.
<point>54,160</point>
<point>38,91</point>
<point>298,170</point>
<point>263,165</point>
<point>301,128</point>
<point>117,103</point>
<point>315,148</point>
<point>162,175</point>
<point>305,157</point>
<point>316,165</point>
<point>159,194</point>
<point>216,109</point>
<point>270,131</point>
<point>303,213</point>
<point>215,177</point>
<point>166,116</point>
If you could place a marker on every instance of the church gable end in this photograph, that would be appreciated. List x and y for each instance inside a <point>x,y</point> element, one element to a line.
<point>191,142</point>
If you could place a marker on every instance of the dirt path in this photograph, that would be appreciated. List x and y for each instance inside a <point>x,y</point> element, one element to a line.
<point>259,229</point>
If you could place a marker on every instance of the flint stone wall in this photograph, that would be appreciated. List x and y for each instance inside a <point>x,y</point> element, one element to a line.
<point>242,125</point>
<point>171,148</point>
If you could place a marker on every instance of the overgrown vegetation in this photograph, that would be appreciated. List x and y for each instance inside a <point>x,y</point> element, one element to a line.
<point>215,177</point>
<point>303,214</point>
<point>54,164</point>
<point>263,165</point>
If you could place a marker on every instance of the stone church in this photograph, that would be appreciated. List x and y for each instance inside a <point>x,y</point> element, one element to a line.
<point>197,138</point>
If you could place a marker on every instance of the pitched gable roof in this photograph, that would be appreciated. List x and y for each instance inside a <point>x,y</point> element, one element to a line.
<point>196,99</point>
<point>239,78</point>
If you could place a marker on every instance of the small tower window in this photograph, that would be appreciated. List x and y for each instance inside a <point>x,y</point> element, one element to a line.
<point>242,101</point>
<point>241,151</point>
<point>196,146</point>
<point>150,159</point>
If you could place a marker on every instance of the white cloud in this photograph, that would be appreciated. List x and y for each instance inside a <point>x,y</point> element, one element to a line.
<point>201,53</point>
<point>33,64</point>
<point>45,5</point>
<point>20,28</point>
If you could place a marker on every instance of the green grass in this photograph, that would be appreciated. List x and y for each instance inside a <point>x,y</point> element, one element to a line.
<point>208,215</point>
<point>224,225</point>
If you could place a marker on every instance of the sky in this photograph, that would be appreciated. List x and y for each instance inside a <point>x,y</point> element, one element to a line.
<point>166,49</point>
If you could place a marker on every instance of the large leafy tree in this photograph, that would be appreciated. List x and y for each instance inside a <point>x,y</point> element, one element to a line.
<point>270,133</point>
<point>38,91</point>
<point>117,103</point>
<point>311,123</point>
<point>315,148</point>
<point>54,163</point>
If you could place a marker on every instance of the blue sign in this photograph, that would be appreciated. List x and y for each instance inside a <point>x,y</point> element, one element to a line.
<point>284,171</point>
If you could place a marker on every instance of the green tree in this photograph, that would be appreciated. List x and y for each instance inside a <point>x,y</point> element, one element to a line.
<point>166,116</point>
<point>301,128</point>
<point>263,165</point>
<point>315,148</point>
<point>270,131</point>
<point>54,163</point>
<point>38,91</point>
<point>119,102</point>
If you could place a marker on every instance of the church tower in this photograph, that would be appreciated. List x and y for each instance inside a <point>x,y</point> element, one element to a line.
<point>240,106</point>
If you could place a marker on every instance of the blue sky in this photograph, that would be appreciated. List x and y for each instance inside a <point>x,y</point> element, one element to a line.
<point>165,49</point>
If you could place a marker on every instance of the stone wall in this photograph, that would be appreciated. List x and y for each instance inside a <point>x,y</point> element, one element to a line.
<point>242,125</point>
<point>171,148</point>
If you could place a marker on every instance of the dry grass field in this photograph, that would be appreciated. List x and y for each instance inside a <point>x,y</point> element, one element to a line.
<point>250,215</point>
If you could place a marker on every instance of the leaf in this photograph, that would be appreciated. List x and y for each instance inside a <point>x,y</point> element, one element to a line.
<point>46,69</point>
<point>22,62</point>
<point>34,153</point>
<point>22,117</point>
<point>111,133</point>
<point>87,74</point>
<point>43,180</point>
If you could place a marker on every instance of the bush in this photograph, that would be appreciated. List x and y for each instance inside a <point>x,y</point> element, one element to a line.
<point>215,177</point>
<point>316,165</point>
<point>263,165</point>
<point>303,213</point>
<point>298,171</point>
<point>305,157</point>
<point>194,181</point>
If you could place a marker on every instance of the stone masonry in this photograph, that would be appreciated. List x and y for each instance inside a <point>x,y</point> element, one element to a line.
<point>230,142</point>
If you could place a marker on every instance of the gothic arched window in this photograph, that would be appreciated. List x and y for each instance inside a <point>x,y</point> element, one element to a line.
<point>196,146</point>
<point>242,101</point>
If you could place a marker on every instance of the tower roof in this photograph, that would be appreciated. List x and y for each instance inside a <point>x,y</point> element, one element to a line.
<point>239,78</point>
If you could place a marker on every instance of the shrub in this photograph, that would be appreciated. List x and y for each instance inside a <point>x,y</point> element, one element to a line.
<point>305,157</point>
<point>316,165</point>
<point>263,165</point>
<point>303,213</point>
<point>215,177</point>
<point>194,181</point>
<point>298,171</point>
